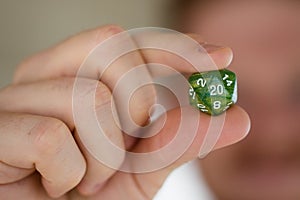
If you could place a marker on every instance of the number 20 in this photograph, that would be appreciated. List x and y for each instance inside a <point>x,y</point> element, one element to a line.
<point>216,89</point>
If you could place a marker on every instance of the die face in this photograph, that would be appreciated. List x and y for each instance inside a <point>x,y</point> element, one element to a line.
<point>213,92</point>
<point>196,102</point>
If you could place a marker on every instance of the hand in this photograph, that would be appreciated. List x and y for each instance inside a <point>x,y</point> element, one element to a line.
<point>31,142</point>
<point>54,100</point>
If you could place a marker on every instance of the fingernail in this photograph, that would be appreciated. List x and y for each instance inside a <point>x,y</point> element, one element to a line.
<point>222,56</point>
<point>210,48</point>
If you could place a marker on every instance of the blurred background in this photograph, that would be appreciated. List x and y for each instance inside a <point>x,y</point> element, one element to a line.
<point>33,25</point>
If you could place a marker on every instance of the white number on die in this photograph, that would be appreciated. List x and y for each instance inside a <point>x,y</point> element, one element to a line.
<point>192,93</point>
<point>201,82</point>
<point>225,77</point>
<point>217,104</point>
<point>229,82</point>
<point>200,105</point>
<point>216,89</point>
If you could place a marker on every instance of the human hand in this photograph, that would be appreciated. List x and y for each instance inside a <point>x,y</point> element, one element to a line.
<point>99,180</point>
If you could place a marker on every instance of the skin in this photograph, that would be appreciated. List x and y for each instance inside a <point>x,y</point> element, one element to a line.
<point>264,36</point>
<point>42,156</point>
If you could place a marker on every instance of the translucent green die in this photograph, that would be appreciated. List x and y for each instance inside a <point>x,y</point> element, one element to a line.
<point>213,92</point>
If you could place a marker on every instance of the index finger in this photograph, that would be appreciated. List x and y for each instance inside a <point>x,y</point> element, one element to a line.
<point>66,58</point>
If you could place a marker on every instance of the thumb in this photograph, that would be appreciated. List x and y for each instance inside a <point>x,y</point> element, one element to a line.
<point>235,127</point>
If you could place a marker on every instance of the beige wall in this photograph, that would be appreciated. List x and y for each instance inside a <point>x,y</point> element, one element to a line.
<point>28,26</point>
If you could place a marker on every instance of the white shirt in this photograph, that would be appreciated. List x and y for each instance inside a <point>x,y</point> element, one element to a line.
<point>186,182</point>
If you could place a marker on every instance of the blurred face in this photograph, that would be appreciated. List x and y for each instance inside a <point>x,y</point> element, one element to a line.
<point>265,37</point>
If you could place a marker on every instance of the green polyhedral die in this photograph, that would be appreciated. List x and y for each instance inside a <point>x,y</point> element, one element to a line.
<point>213,92</point>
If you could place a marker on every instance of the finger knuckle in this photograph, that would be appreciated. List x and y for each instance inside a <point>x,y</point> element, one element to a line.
<point>49,135</point>
<point>107,31</point>
<point>97,90</point>
<point>103,97</point>
<point>62,85</point>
